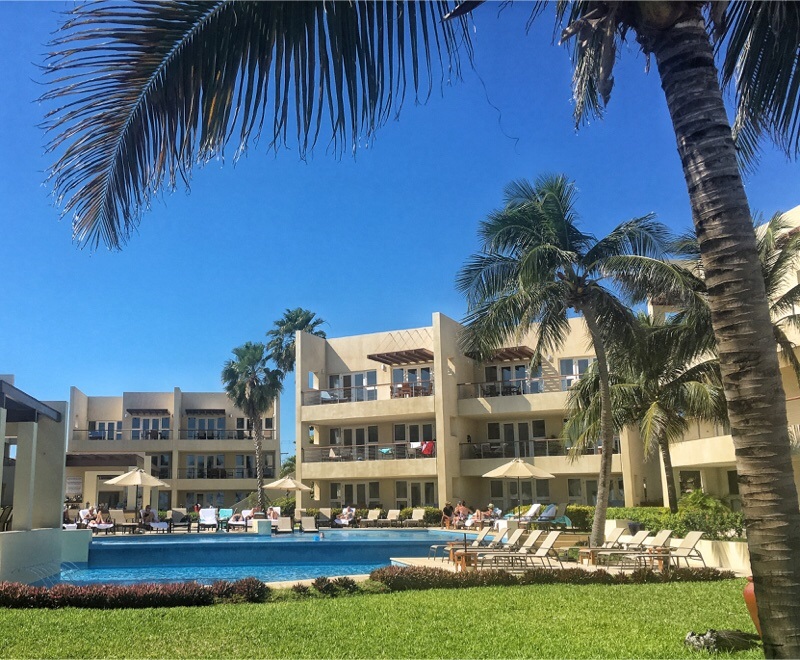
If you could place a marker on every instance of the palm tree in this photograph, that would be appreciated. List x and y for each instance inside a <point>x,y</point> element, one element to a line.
<point>142,101</point>
<point>288,466</point>
<point>282,335</point>
<point>535,266</point>
<point>778,246</point>
<point>656,387</point>
<point>253,388</point>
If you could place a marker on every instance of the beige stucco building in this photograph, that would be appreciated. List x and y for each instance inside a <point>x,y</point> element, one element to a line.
<point>369,405</point>
<point>32,480</point>
<point>197,442</point>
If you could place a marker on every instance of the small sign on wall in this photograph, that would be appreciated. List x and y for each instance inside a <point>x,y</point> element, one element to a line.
<point>74,486</point>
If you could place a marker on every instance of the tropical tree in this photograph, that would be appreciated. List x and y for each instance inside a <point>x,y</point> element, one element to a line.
<point>656,387</point>
<point>282,335</point>
<point>142,101</point>
<point>253,387</point>
<point>535,266</point>
<point>288,466</point>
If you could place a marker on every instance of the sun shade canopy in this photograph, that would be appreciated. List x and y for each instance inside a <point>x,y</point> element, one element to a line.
<point>155,412</point>
<point>411,356</point>
<point>205,411</point>
<point>21,407</point>
<point>507,354</point>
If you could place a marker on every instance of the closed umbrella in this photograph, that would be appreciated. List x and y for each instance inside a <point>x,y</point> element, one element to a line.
<point>137,477</point>
<point>519,469</point>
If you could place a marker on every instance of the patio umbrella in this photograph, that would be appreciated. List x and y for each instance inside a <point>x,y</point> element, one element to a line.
<point>137,477</point>
<point>518,469</point>
<point>287,483</point>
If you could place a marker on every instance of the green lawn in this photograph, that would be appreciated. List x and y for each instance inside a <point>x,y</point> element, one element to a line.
<point>542,621</point>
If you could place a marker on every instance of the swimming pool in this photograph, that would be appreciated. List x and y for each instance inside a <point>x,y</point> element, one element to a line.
<point>207,558</point>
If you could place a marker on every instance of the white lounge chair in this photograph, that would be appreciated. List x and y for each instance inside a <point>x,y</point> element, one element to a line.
<point>307,524</point>
<point>244,523</point>
<point>476,543</point>
<point>285,525</point>
<point>417,519</point>
<point>545,552</point>
<point>392,518</point>
<point>372,518</point>
<point>208,519</point>
<point>686,550</point>
<point>509,554</point>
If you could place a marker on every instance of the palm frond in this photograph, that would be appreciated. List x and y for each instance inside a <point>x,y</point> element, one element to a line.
<point>149,89</point>
<point>761,61</point>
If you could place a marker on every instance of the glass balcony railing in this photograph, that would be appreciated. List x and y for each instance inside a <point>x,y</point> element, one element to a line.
<point>167,434</point>
<point>523,449</point>
<point>223,473</point>
<point>370,452</point>
<point>500,388</point>
<point>368,393</point>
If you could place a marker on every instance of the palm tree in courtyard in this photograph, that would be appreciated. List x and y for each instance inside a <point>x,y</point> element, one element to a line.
<point>253,387</point>
<point>535,266</point>
<point>142,99</point>
<point>657,387</point>
<point>282,335</point>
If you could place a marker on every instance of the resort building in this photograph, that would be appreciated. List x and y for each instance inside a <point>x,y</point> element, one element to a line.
<point>404,418</point>
<point>197,442</point>
<point>32,480</point>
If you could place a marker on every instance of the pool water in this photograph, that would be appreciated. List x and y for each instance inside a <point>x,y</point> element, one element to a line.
<point>210,557</point>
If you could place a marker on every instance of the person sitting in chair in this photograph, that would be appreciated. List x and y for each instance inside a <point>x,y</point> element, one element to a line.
<point>272,514</point>
<point>148,515</point>
<point>447,515</point>
<point>103,517</point>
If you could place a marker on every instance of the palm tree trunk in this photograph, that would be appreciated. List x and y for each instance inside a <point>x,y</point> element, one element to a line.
<point>672,495</point>
<point>740,317</point>
<point>606,432</point>
<point>258,441</point>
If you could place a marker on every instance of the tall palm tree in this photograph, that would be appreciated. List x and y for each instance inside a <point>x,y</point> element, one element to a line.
<point>253,388</point>
<point>656,387</point>
<point>535,266</point>
<point>282,335</point>
<point>148,89</point>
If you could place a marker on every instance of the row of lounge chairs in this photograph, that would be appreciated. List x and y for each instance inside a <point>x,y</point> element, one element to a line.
<point>511,552</point>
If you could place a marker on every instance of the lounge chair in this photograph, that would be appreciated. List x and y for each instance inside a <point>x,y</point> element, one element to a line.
<point>155,526</point>
<point>372,518</point>
<point>285,525</point>
<point>612,541</point>
<point>324,518</point>
<point>495,543</point>
<point>98,527</point>
<point>307,524</point>
<point>392,518</point>
<point>545,552</point>
<point>244,523</point>
<point>208,519</point>
<point>634,545</point>
<point>476,543</point>
<point>686,550</point>
<point>417,519</point>
<point>180,520</point>
<point>510,554</point>
<point>547,516</point>
<point>223,516</point>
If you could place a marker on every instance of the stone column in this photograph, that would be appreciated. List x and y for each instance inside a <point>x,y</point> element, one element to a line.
<point>3,414</point>
<point>24,477</point>
<point>48,476</point>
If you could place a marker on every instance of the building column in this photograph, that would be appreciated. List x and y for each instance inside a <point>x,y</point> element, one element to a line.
<point>24,477</point>
<point>3,414</point>
<point>48,476</point>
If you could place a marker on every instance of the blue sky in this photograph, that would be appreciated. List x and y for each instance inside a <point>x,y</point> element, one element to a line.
<point>370,243</point>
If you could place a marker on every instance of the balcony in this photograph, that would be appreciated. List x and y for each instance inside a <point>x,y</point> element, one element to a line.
<point>382,392</point>
<point>535,448</point>
<point>372,452</point>
<point>492,389</point>
<point>223,473</point>
<point>126,435</point>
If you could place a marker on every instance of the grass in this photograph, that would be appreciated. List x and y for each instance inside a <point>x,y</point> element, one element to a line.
<point>543,621</point>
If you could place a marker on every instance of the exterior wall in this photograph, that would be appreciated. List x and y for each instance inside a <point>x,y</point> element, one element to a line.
<point>458,417</point>
<point>104,455</point>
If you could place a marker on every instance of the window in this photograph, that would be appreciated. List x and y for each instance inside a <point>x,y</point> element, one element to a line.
<point>733,482</point>
<point>542,489</point>
<point>205,428</point>
<point>412,381</point>
<point>574,490</point>
<point>245,467</point>
<point>572,369</point>
<point>105,430</point>
<point>496,490</point>
<point>401,494</point>
<point>161,464</point>
<point>205,466</point>
<point>150,428</point>
<point>358,386</point>
<point>515,378</point>
<point>689,481</point>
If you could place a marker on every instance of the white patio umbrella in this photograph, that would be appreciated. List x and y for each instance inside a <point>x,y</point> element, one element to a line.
<point>137,477</point>
<point>519,469</point>
<point>287,483</point>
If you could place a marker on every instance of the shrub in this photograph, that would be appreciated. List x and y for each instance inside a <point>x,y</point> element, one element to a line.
<point>251,590</point>
<point>373,587</point>
<point>716,525</point>
<point>346,584</point>
<point>301,589</point>
<point>324,586</point>
<point>433,516</point>
<point>581,516</point>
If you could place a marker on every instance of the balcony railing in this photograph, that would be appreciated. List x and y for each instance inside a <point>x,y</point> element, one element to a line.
<point>166,434</point>
<point>223,473</point>
<point>371,452</point>
<point>501,388</point>
<point>525,449</point>
<point>368,393</point>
